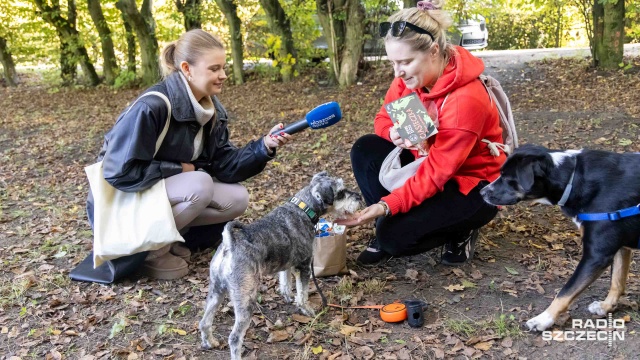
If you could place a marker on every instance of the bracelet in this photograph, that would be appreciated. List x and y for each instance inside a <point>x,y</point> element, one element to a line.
<point>385,206</point>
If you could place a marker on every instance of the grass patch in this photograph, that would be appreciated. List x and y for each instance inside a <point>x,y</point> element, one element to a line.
<point>344,289</point>
<point>502,325</point>
<point>372,286</point>
<point>467,328</point>
<point>304,354</point>
<point>12,291</point>
<point>505,326</point>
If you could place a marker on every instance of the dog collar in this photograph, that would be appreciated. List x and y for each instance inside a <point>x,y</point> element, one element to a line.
<point>568,188</point>
<point>613,216</point>
<point>307,210</point>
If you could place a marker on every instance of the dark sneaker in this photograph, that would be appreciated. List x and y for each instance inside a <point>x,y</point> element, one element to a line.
<point>458,252</point>
<point>372,255</point>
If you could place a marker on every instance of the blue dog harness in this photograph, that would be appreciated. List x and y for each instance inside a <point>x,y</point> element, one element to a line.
<point>612,216</point>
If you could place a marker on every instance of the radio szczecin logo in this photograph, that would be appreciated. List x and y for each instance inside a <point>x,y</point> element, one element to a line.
<point>589,330</point>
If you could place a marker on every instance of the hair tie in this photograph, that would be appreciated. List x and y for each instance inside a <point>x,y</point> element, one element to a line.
<point>426,5</point>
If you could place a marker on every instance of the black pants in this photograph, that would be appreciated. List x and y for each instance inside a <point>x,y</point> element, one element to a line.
<point>447,216</point>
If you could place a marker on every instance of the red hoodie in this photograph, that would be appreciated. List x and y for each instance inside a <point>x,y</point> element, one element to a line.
<point>456,151</point>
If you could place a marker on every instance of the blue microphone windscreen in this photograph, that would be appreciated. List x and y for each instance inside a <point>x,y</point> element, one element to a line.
<point>324,115</point>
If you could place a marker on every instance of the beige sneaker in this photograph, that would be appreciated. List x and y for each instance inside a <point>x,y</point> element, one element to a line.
<point>180,250</point>
<point>162,264</point>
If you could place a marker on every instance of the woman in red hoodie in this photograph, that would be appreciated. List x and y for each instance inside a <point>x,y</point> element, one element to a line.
<point>441,203</point>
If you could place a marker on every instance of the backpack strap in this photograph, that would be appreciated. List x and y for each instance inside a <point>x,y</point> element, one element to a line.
<point>494,147</point>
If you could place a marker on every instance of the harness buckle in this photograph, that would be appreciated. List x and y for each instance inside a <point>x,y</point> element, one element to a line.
<point>614,216</point>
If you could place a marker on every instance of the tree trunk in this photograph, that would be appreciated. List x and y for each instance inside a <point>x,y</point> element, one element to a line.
<point>110,65</point>
<point>69,36</point>
<point>9,67</point>
<point>558,37</point>
<point>587,11</point>
<point>131,43</point>
<point>192,12</point>
<point>281,26</point>
<point>611,47</point>
<point>343,26</point>
<point>598,31</point>
<point>230,11</point>
<point>68,61</point>
<point>144,26</point>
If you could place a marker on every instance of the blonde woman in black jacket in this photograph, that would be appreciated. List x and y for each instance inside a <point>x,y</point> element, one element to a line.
<point>201,167</point>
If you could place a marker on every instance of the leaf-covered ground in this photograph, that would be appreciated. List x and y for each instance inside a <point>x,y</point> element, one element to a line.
<point>525,255</point>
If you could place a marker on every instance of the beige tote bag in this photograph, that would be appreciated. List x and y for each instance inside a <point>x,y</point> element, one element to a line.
<point>392,174</point>
<point>127,223</point>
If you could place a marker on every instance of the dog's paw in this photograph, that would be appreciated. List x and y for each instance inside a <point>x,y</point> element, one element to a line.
<point>307,310</point>
<point>540,322</point>
<point>287,297</point>
<point>597,308</point>
<point>209,342</point>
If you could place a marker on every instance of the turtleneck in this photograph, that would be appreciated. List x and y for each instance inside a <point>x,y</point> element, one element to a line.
<point>204,111</point>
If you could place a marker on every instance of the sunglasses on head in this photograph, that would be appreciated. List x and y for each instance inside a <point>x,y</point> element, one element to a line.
<point>398,27</point>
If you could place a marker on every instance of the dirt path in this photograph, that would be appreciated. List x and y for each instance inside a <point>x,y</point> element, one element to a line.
<point>524,256</point>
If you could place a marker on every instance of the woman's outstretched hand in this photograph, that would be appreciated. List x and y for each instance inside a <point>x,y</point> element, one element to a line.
<point>278,139</point>
<point>363,216</point>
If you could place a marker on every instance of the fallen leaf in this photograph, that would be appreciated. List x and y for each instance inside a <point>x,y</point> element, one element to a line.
<point>452,288</point>
<point>179,331</point>
<point>316,350</point>
<point>507,342</point>
<point>459,272</point>
<point>301,318</point>
<point>476,274</point>
<point>511,270</point>
<point>484,346</point>
<point>348,330</point>
<point>411,274</point>
<point>277,336</point>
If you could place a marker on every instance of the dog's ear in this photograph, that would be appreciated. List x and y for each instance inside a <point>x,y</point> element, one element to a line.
<point>323,192</point>
<point>525,175</point>
<point>319,175</point>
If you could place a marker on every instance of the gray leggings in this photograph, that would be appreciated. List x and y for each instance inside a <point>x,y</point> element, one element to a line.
<point>198,199</point>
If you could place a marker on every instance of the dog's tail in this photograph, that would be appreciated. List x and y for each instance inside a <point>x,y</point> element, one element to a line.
<point>227,237</point>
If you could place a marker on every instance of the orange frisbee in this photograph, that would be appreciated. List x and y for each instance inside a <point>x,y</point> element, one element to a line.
<point>394,312</point>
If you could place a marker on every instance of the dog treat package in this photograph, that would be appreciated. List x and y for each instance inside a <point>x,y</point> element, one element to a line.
<point>330,249</point>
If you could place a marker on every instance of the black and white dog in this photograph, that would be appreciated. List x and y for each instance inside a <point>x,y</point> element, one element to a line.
<point>282,241</point>
<point>600,191</point>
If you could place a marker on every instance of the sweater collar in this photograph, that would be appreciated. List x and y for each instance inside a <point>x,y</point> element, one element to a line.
<point>203,110</point>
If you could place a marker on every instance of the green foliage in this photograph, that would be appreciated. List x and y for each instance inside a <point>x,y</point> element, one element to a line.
<point>512,24</point>
<point>520,24</point>
<point>260,43</point>
<point>126,79</point>
<point>505,33</point>
<point>29,38</point>
<point>376,12</point>
<point>632,21</point>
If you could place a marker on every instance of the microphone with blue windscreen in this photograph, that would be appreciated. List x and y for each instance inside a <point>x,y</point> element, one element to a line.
<point>320,117</point>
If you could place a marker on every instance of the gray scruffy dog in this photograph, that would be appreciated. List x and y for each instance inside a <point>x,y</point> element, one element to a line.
<point>282,241</point>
